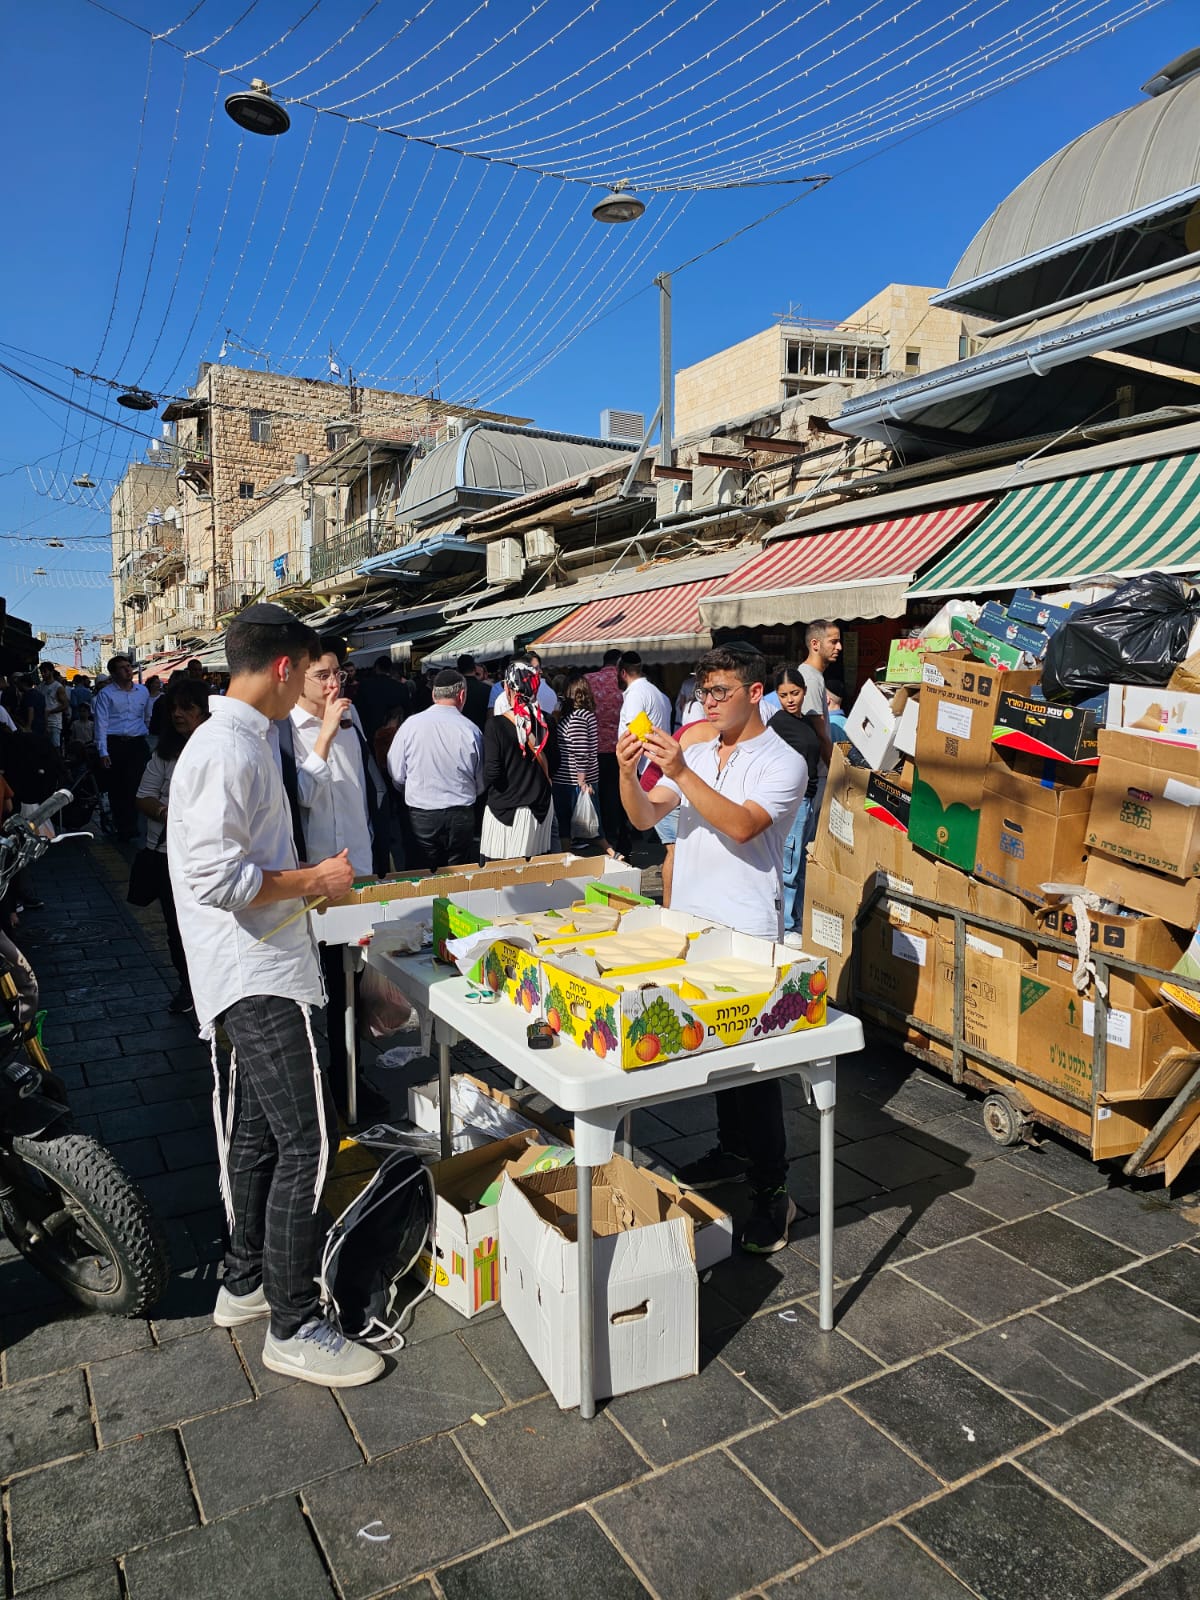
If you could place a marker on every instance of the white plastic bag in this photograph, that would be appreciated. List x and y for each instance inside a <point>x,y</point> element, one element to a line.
<point>585,824</point>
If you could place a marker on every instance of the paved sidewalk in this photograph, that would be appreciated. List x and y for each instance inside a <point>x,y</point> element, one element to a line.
<point>1009,1407</point>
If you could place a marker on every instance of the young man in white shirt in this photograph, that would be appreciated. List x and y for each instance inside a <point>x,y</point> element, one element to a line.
<point>437,760</point>
<point>252,959</point>
<point>737,795</point>
<point>640,695</point>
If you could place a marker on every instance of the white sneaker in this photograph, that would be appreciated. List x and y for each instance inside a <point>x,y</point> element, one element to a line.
<point>320,1354</point>
<point>232,1310</point>
<point>793,941</point>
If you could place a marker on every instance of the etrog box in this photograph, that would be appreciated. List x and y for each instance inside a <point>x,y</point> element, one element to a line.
<point>456,915</point>
<point>954,748</point>
<point>1146,808</point>
<point>647,1022</point>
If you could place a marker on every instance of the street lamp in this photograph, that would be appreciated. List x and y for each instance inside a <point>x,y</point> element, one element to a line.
<point>618,206</point>
<point>256,110</point>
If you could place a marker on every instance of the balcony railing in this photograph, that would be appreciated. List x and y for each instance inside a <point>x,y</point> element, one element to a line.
<point>233,596</point>
<point>286,570</point>
<point>137,587</point>
<point>365,536</point>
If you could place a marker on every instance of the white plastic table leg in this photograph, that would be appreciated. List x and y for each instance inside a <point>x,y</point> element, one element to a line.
<point>587,1296</point>
<point>825,1284</point>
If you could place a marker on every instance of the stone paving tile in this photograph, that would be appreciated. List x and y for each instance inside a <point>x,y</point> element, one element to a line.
<point>673,1420</point>
<point>187,1306</point>
<point>44,1420</point>
<point>425,1497</point>
<point>927,1215</point>
<point>962,1133</point>
<point>895,1161</point>
<point>249,1342</point>
<point>80,1512</point>
<point>502,1355</point>
<point>1010,1539</point>
<point>281,1442</point>
<point>859,1118</point>
<point>534,1566</point>
<point>157,1388</point>
<point>859,1243</point>
<point>1010,1191</point>
<point>885,1564</point>
<point>1171,1406</point>
<point>192,1147</point>
<point>874,1478</point>
<point>97,1583</point>
<point>791,1362</point>
<point>428,1388</point>
<point>1179,1580</point>
<point>703,1529</point>
<point>178,1194</point>
<point>849,1186</point>
<point>139,1157</point>
<point>980,1281</point>
<point>1143,1220</point>
<point>893,1318</point>
<point>750,1283</point>
<point>946,1416</point>
<point>66,1337</point>
<point>564,1460</point>
<point>1174,1277</point>
<point>1143,1333</point>
<point>1142,1491</point>
<point>1057,1162</point>
<point>270,1547</point>
<point>1051,1244</point>
<point>695,1115</point>
<point>1044,1368</point>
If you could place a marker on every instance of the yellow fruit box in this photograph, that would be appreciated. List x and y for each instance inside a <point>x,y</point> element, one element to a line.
<point>727,988</point>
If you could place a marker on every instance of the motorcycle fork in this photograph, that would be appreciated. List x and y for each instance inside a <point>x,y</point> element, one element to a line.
<point>33,1044</point>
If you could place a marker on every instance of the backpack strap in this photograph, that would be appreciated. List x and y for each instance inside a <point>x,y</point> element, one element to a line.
<point>287,763</point>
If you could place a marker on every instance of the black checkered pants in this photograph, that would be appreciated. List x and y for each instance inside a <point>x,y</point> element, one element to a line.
<point>281,1144</point>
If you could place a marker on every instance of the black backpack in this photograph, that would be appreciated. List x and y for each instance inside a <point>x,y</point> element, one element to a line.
<point>373,1247</point>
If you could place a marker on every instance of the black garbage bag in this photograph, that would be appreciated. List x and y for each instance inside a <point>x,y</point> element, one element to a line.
<point>1137,634</point>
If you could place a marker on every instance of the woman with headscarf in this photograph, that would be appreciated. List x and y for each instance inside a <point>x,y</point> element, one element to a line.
<point>520,752</point>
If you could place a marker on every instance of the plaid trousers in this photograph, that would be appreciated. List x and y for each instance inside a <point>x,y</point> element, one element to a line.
<point>279,1138</point>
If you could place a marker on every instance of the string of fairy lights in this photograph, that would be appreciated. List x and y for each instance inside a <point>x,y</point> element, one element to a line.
<point>425,223</point>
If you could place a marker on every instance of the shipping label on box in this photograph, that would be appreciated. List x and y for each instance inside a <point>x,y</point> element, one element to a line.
<point>954,750</point>
<point>1054,732</point>
<point>646,1315</point>
<point>888,800</point>
<point>1146,806</point>
<point>904,656</point>
<point>992,989</point>
<point>1031,832</point>
<point>1156,713</point>
<point>897,965</point>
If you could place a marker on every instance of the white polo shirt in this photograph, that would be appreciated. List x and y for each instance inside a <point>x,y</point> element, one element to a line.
<point>740,885</point>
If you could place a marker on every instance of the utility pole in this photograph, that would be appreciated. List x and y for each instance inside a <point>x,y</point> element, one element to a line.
<point>666,446</point>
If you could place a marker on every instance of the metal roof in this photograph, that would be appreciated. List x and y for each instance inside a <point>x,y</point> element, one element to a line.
<point>1132,168</point>
<point>489,462</point>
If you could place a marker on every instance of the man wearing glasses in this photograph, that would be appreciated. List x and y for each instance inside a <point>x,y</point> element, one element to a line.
<point>736,795</point>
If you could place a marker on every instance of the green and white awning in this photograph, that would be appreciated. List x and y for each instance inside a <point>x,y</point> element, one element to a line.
<point>1139,518</point>
<point>492,637</point>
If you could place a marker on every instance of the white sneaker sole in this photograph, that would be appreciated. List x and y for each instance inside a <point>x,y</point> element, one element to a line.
<point>327,1380</point>
<point>780,1244</point>
<point>227,1314</point>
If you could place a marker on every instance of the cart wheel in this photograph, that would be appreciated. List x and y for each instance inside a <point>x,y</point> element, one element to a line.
<point>1002,1120</point>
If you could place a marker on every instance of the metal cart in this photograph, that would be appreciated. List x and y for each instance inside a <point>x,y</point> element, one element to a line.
<point>1008,1113</point>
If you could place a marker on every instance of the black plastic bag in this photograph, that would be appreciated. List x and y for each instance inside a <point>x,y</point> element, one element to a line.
<point>1137,634</point>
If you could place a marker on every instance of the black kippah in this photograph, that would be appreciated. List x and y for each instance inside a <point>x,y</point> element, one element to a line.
<point>266,615</point>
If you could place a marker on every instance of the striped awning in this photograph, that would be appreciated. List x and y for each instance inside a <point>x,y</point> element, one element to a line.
<point>661,624</point>
<point>1132,519</point>
<point>848,573</point>
<point>492,637</point>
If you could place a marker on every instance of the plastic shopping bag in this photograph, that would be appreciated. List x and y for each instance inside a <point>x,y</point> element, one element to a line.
<point>585,824</point>
<point>382,1007</point>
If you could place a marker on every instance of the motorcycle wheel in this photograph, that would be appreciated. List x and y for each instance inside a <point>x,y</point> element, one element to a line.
<point>93,1231</point>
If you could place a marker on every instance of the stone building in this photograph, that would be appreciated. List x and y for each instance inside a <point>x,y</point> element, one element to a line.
<point>146,548</point>
<point>896,333</point>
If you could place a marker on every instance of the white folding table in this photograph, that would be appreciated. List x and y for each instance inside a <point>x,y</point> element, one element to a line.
<point>600,1095</point>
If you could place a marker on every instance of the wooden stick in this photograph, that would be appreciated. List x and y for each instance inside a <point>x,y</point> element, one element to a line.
<point>309,905</point>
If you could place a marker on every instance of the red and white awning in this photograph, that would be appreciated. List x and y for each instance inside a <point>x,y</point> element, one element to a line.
<point>855,572</point>
<point>661,624</point>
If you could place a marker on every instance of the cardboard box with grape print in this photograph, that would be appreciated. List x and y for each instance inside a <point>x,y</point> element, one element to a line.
<point>641,1016</point>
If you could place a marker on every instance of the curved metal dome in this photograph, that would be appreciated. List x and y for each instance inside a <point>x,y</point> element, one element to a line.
<point>1137,166</point>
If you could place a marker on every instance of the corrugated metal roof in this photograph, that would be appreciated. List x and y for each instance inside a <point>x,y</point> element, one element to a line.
<point>498,636</point>
<point>497,462</point>
<point>1138,163</point>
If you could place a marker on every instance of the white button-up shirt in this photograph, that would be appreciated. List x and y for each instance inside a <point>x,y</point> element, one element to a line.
<point>332,793</point>
<point>437,759</point>
<point>230,823</point>
<point>124,712</point>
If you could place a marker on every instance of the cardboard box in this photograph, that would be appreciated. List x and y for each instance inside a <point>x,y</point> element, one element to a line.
<point>830,906</point>
<point>898,961</point>
<point>954,749</point>
<point>1174,900</point>
<point>906,732</point>
<point>992,992</point>
<point>1154,713</point>
<point>955,889</point>
<point>873,723</point>
<point>1031,727</point>
<point>651,1023</point>
<point>646,1327</point>
<point>1147,940</point>
<point>1106,1133</point>
<point>889,799</point>
<point>848,842</point>
<point>526,887</point>
<point>904,656</point>
<point>1002,625</point>
<point>1031,831</point>
<point>463,1258</point>
<point>1146,808</point>
<point>479,1114</point>
<point>1026,607</point>
<point>712,1228</point>
<point>984,647</point>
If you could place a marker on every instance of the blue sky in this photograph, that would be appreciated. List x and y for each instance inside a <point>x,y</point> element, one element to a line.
<point>148,225</point>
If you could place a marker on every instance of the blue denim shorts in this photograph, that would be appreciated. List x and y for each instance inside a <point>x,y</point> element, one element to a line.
<point>668,829</point>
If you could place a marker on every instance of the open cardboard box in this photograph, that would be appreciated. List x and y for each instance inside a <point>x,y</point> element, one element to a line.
<point>423,1113</point>
<point>646,1323</point>
<point>471,910</point>
<point>645,1025</point>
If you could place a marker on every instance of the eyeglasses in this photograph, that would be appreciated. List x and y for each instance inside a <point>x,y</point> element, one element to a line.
<point>719,693</point>
<point>327,675</point>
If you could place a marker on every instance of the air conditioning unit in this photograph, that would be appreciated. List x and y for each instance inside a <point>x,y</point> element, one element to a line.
<point>624,427</point>
<point>505,562</point>
<point>716,487</point>
<point>197,578</point>
<point>540,546</point>
<point>452,427</point>
<point>672,498</point>
<point>170,641</point>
